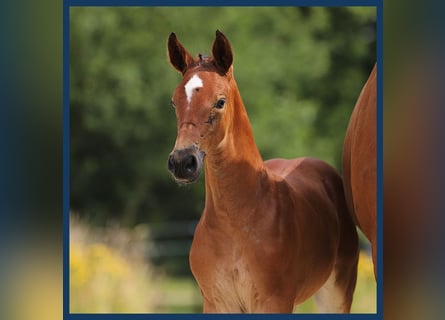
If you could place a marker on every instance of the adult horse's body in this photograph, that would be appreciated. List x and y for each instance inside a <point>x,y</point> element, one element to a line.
<point>272,233</point>
<point>359,162</point>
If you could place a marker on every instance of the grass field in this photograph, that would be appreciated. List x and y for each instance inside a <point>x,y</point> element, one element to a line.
<point>109,274</point>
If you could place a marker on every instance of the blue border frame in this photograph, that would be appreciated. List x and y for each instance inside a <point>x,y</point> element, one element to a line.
<point>227,3</point>
<point>191,316</point>
<point>379,140</point>
<point>66,153</point>
<point>66,156</point>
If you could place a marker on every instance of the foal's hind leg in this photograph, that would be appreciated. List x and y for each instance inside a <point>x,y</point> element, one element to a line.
<point>335,296</point>
<point>332,297</point>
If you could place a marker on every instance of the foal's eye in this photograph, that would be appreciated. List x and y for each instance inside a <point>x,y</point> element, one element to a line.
<point>220,103</point>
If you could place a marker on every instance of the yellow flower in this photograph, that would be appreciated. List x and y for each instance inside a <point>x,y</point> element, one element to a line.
<point>79,274</point>
<point>365,266</point>
<point>107,261</point>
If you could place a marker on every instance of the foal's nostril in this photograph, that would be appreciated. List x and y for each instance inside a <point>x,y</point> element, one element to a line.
<point>185,164</point>
<point>171,164</point>
<point>190,164</point>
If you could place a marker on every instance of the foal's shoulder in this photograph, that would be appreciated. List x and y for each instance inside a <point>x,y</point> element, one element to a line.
<point>307,177</point>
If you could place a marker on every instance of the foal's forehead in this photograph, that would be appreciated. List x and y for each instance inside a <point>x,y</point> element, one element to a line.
<point>193,82</point>
<point>197,79</point>
<point>192,85</point>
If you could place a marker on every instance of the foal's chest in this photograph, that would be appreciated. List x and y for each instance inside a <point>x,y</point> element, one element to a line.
<point>224,274</point>
<point>233,288</point>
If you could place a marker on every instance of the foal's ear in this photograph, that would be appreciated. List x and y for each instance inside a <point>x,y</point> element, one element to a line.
<point>179,57</point>
<point>222,52</point>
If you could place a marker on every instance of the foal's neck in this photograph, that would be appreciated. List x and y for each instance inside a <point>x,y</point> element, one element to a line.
<point>234,168</point>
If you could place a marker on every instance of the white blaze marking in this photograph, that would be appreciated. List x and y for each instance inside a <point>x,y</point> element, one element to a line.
<point>194,83</point>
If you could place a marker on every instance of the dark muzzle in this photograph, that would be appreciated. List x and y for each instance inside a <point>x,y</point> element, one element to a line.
<point>185,164</point>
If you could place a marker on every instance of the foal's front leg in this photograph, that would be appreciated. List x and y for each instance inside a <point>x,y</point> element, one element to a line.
<point>208,307</point>
<point>274,304</point>
<point>270,304</point>
<point>220,306</point>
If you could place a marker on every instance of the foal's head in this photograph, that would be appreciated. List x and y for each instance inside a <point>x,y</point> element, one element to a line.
<point>202,101</point>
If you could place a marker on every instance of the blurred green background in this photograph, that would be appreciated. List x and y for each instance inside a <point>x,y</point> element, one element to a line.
<point>299,71</point>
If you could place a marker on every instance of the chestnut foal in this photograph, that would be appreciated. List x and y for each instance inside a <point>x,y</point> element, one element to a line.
<point>272,234</point>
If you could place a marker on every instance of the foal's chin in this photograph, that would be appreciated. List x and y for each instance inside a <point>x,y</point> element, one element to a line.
<point>188,180</point>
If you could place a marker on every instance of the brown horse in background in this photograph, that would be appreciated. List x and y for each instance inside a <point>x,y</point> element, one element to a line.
<point>359,162</point>
<point>272,233</point>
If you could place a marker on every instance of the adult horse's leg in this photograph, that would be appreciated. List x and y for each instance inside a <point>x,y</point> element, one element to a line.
<point>335,296</point>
